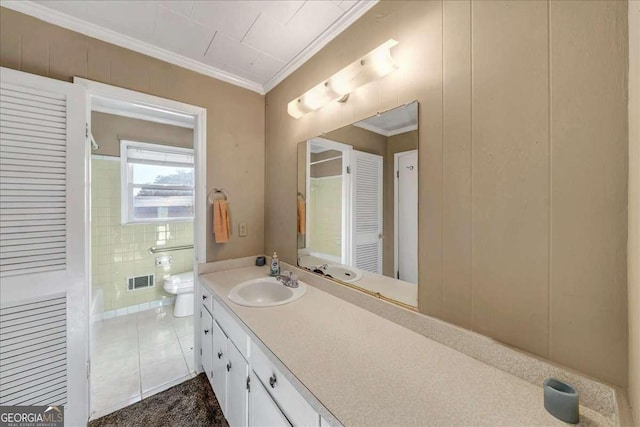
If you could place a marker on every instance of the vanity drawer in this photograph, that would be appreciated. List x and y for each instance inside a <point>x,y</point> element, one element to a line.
<point>207,298</point>
<point>231,328</point>
<point>293,405</point>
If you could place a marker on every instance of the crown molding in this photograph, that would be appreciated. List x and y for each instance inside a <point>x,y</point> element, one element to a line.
<point>315,46</point>
<point>72,23</point>
<point>78,25</point>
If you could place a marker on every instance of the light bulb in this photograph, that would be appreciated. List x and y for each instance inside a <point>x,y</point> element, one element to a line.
<point>373,65</point>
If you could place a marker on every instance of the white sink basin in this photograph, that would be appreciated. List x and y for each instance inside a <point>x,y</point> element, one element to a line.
<point>266,292</point>
<point>342,273</point>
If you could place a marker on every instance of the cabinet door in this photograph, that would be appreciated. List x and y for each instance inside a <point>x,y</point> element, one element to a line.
<point>206,343</point>
<point>263,411</point>
<point>219,366</point>
<point>237,372</point>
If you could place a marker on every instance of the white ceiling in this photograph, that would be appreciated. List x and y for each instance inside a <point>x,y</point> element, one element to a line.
<point>393,122</point>
<point>254,44</point>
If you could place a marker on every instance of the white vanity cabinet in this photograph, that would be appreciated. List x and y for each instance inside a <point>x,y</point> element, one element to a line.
<point>206,343</point>
<point>227,369</point>
<point>263,411</point>
<point>250,390</point>
<point>293,405</point>
<point>237,387</point>
<point>219,366</point>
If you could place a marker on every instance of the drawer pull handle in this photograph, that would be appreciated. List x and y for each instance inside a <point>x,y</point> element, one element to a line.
<point>206,332</point>
<point>219,355</point>
<point>228,366</point>
<point>272,381</point>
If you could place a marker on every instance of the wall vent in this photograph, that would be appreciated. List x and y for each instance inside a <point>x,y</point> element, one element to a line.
<point>141,282</point>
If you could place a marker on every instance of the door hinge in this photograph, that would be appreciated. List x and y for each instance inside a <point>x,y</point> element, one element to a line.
<point>398,274</point>
<point>200,352</point>
<point>248,383</point>
<point>88,369</point>
<point>397,174</point>
<point>86,130</point>
<point>348,169</point>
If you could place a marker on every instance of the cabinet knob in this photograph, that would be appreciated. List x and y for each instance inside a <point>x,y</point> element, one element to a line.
<point>219,355</point>
<point>204,297</point>
<point>228,366</point>
<point>272,381</point>
<point>206,331</point>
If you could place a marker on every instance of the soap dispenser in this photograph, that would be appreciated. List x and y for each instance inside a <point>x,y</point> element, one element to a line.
<point>275,265</point>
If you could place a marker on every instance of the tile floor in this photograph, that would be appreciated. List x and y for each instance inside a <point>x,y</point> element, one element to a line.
<point>138,355</point>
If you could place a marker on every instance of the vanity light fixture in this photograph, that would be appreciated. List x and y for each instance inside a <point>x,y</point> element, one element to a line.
<point>372,66</point>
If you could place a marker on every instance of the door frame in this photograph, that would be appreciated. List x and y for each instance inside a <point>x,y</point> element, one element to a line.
<point>199,114</point>
<point>396,223</point>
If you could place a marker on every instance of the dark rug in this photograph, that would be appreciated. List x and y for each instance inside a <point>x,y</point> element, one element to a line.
<point>189,404</point>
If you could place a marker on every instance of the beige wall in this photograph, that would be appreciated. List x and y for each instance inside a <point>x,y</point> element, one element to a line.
<point>235,116</point>
<point>634,208</point>
<point>109,129</point>
<point>328,168</point>
<point>360,139</point>
<point>523,154</point>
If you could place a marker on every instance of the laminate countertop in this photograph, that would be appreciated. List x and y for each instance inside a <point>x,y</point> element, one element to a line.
<point>368,371</point>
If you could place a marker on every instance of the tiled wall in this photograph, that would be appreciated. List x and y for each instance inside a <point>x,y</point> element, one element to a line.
<point>325,220</point>
<point>120,251</point>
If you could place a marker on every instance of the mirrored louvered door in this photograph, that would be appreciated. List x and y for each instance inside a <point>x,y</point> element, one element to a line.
<point>43,287</point>
<point>366,213</point>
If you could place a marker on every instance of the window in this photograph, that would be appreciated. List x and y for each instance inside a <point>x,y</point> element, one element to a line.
<point>157,182</point>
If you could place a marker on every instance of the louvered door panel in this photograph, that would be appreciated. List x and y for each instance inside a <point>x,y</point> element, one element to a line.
<point>33,157</point>
<point>33,353</point>
<point>367,257</point>
<point>43,244</point>
<point>366,227</point>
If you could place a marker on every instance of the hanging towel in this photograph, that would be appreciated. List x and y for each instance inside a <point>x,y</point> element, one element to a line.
<point>221,227</point>
<point>302,217</point>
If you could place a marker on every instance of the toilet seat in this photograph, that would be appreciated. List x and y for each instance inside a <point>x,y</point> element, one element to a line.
<point>179,283</point>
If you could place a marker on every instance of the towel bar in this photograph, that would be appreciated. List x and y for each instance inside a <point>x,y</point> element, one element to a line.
<point>154,250</point>
<point>215,191</point>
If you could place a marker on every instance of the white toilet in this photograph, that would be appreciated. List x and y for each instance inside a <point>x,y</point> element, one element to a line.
<point>181,285</point>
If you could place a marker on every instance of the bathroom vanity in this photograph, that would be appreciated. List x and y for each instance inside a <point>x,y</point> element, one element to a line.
<point>321,360</point>
<point>250,387</point>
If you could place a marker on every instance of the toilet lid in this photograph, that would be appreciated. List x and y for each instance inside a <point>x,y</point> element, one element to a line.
<point>181,280</point>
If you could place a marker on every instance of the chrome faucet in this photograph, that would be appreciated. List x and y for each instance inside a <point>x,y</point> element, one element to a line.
<point>290,280</point>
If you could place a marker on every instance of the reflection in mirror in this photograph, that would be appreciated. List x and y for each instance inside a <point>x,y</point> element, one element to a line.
<point>358,204</point>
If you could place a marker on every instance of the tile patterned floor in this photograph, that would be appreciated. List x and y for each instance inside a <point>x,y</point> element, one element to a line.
<point>138,355</point>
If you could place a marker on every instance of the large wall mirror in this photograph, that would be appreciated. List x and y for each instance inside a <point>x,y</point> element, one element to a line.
<point>358,205</point>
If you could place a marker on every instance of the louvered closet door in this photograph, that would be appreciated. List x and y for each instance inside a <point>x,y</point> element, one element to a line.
<point>366,213</point>
<point>43,306</point>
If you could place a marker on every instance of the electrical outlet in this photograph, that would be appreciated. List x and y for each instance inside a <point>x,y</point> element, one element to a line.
<point>242,229</point>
